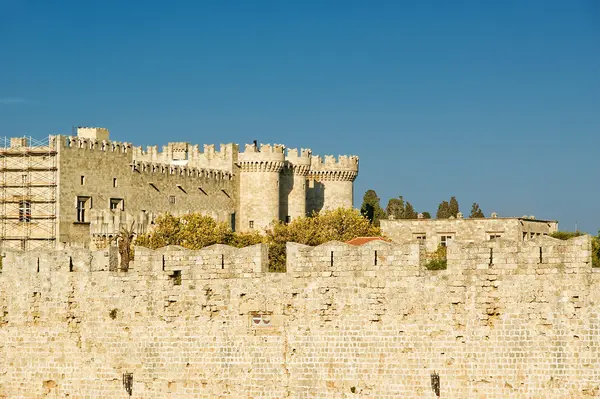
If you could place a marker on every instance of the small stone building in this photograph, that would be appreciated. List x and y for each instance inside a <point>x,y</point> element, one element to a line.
<point>73,190</point>
<point>435,232</point>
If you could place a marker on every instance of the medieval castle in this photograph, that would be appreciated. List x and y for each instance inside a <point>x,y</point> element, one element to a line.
<point>516,313</point>
<point>71,190</point>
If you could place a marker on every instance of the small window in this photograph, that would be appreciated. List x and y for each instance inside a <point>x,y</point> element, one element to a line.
<point>251,224</point>
<point>114,182</point>
<point>495,236</point>
<point>117,204</point>
<point>171,199</point>
<point>445,240</point>
<point>82,204</point>
<point>82,180</point>
<point>524,236</point>
<point>25,211</point>
<point>420,237</point>
<point>24,179</point>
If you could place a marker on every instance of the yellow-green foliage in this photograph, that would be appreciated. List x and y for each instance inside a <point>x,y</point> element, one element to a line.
<point>437,260</point>
<point>339,225</point>
<point>195,231</point>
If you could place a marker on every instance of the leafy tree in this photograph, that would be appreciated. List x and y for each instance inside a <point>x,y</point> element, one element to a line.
<point>426,215</point>
<point>409,211</point>
<point>453,207</point>
<point>399,209</point>
<point>395,208</point>
<point>339,224</point>
<point>443,211</point>
<point>476,212</point>
<point>195,231</point>
<point>192,231</point>
<point>371,208</point>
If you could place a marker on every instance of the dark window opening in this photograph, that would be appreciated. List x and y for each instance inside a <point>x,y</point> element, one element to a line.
<point>176,277</point>
<point>171,199</point>
<point>82,180</point>
<point>117,204</point>
<point>251,224</point>
<point>114,182</point>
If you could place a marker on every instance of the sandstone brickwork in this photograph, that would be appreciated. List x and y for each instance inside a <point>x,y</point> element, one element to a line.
<point>430,231</point>
<point>507,319</point>
<point>78,190</point>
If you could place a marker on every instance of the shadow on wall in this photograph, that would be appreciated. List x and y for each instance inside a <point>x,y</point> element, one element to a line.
<point>286,186</point>
<point>315,197</point>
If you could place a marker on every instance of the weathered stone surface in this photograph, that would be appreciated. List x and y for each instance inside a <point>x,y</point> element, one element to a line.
<point>343,322</point>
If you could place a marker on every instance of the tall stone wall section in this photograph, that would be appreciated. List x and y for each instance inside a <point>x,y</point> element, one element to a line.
<point>342,322</point>
<point>104,170</point>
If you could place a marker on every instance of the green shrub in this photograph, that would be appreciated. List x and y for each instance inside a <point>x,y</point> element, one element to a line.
<point>565,235</point>
<point>195,231</point>
<point>438,259</point>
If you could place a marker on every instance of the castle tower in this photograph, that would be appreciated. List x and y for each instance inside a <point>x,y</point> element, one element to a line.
<point>331,182</point>
<point>259,185</point>
<point>293,184</point>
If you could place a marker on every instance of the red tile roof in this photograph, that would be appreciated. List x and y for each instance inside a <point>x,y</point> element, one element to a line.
<point>363,240</point>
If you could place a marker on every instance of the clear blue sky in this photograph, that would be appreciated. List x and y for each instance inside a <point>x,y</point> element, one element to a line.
<point>496,102</point>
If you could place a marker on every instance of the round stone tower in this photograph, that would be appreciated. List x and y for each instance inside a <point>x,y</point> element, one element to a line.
<point>331,182</point>
<point>293,184</point>
<point>259,185</point>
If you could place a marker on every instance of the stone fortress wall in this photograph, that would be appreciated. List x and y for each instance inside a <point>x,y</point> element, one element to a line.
<point>106,171</point>
<point>93,186</point>
<point>507,319</point>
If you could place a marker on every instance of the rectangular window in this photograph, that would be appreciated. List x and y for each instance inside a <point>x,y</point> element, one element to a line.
<point>420,237</point>
<point>114,182</point>
<point>24,179</point>
<point>82,204</point>
<point>251,224</point>
<point>117,204</point>
<point>82,180</point>
<point>171,199</point>
<point>494,236</point>
<point>25,211</point>
<point>232,220</point>
<point>445,240</point>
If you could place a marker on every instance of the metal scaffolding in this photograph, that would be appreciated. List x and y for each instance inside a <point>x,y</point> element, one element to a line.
<point>28,187</point>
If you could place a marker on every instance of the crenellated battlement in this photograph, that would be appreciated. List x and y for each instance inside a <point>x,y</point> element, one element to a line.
<point>182,153</point>
<point>298,162</point>
<point>343,162</point>
<point>377,258</point>
<point>544,254</point>
<point>344,168</point>
<point>89,144</point>
<point>370,321</point>
<point>266,158</point>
